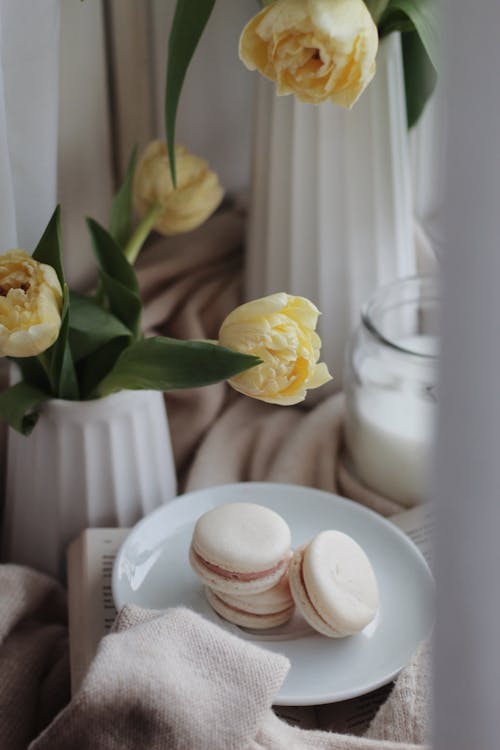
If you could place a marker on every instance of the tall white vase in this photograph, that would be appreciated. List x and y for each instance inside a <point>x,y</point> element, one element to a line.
<point>91,463</point>
<point>331,211</point>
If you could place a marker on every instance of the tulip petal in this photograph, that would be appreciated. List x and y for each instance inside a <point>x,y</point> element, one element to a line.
<point>315,49</point>
<point>30,305</point>
<point>259,308</point>
<point>279,329</point>
<point>197,195</point>
<point>320,375</point>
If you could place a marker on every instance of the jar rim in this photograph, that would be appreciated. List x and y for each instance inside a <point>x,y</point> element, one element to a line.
<point>428,281</point>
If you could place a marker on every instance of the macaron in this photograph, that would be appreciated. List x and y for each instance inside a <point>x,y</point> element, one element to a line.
<point>258,611</point>
<point>240,548</point>
<point>334,585</point>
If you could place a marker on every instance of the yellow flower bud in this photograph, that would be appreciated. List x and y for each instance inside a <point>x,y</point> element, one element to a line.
<point>280,329</point>
<point>196,197</point>
<point>315,49</point>
<point>30,305</point>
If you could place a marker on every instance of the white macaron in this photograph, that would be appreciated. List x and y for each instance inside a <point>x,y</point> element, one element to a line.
<point>334,585</point>
<point>258,611</point>
<point>240,548</point>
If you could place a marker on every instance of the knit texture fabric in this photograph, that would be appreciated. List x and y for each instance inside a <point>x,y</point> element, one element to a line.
<point>177,681</point>
<point>34,664</point>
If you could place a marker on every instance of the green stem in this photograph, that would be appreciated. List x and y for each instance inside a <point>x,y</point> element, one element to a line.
<point>138,238</point>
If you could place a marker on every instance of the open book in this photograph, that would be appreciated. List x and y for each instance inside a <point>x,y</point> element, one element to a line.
<point>92,613</point>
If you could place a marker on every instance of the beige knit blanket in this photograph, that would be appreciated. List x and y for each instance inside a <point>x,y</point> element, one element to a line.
<point>177,681</point>
<point>169,682</point>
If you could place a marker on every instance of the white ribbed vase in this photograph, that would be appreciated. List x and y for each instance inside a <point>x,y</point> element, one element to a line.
<point>331,210</point>
<point>106,462</point>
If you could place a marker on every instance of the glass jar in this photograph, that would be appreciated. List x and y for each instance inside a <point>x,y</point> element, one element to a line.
<point>390,384</point>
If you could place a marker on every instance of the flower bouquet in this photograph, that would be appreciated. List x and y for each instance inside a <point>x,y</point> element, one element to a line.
<point>101,452</point>
<point>82,347</point>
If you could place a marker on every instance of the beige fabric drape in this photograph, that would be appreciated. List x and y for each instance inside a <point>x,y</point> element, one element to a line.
<point>174,682</point>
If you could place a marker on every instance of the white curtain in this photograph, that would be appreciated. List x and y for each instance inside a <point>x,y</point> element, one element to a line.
<point>428,149</point>
<point>29,75</point>
<point>467,668</point>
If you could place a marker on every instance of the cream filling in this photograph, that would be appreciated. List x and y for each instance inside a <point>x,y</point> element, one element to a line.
<point>231,575</point>
<point>245,612</point>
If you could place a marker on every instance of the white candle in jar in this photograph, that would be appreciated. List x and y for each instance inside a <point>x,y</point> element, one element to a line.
<point>391,418</point>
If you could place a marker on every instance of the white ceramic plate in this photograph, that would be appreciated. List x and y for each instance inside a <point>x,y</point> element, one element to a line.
<point>152,570</point>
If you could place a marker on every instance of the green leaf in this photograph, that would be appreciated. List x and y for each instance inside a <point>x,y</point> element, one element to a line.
<point>118,278</point>
<point>62,369</point>
<point>19,406</point>
<point>418,20</point>
<point>376,8</point>
<point>91,327</point>
<point>126,305</point>
<point>420,76</point>
<point>190,19</point>
<point>165,364</point>
<point>110,257</point>
<point>58,358</point>
<point>120,226</point>
<point>95,367</point>
<point>424,17</point>
<point>48,249</point>
<point>32,372</point>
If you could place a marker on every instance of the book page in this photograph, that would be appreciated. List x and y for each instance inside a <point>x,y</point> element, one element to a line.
<point>418,524</point>
<point>90,601</point>
<point>352,716</point>
<point>303,717</point>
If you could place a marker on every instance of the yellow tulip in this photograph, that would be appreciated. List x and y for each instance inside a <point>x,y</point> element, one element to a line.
<point>315,49</point>
<point>280,329</point>
<point>196,197</point>
<point>30,305</point>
